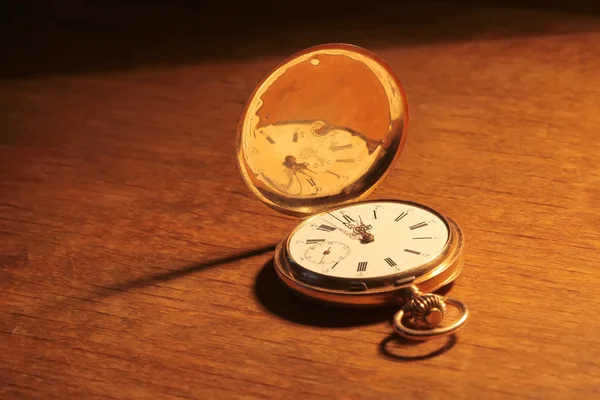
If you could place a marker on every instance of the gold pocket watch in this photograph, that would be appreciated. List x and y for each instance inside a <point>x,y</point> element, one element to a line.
<point>316,137</point>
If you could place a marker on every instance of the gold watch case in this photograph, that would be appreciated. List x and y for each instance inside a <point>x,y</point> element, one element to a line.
<point>360,292</point>
<point>289,156</point>
<point>320,92</point>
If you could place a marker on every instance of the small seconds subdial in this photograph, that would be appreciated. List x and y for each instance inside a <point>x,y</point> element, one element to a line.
<point>326,252</point>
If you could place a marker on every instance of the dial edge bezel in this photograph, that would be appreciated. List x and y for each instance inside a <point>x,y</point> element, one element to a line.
<point>436,273</point>
<point>439,277</point>
<point>388,278</point>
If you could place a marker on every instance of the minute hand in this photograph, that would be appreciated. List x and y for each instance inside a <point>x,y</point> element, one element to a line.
<point>347,224</point>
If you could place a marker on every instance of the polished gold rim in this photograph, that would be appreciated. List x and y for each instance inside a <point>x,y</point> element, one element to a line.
<point>427,278</point>
<point>363,187</point>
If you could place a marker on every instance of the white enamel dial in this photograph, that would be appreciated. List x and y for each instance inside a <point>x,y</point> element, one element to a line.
<point>338,244</point>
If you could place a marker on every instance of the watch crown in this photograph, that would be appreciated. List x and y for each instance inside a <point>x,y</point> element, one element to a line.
<point>428,310</point>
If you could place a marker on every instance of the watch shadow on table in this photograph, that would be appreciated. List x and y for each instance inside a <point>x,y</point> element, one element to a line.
<point>171,275</point>
<point>280,301</point>
<point>397,348</point>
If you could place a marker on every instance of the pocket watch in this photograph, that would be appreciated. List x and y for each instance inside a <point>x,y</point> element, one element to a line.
<point>317,135</point>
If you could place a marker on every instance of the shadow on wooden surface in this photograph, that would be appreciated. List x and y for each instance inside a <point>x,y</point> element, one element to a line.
<point>407,350</point>
<point>280,301</point>
<point>91,36</point>
<point>171,275</point>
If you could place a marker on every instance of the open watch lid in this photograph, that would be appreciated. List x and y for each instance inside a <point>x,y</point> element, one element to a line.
<point>323,129</point>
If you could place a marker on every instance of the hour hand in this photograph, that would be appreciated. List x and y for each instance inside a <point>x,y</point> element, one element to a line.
<point>361,230</point>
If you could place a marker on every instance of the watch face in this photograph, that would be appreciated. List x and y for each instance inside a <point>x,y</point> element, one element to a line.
<point>369,240</point>
<point>322,129</point>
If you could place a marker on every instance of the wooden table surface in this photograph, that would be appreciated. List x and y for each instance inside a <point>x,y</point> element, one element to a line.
<point>135,264</point>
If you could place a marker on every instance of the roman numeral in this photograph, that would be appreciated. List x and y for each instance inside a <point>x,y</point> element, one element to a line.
<point>347,218</point>
<point>295,137</point>
<point>326,228</point>
<point>390,262</point>
<point>343,147</point>
<point>334,174</point>
<point>345,160</point>
<point>375,214</point>
<point>412,251</point>
<point>335,265</point>
<point>313,241</point>
<point>270,140</point>
<point>399,217</point>
<point>417,226</point>
<point>362,266</point>
<point>311,181</point>
<point>424,237</point>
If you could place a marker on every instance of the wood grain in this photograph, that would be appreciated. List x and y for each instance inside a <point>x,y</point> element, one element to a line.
<point>136,264</point>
